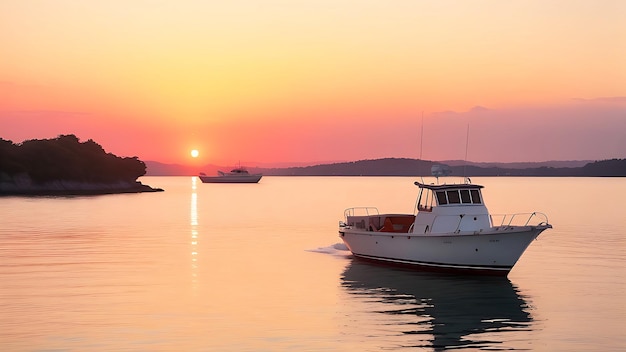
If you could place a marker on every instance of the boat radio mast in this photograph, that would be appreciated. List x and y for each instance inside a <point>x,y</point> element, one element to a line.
<point>422,144</point>
<point>422,136</point>
<point>465,178</point>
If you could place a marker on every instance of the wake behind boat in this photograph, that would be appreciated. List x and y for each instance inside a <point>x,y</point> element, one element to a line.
<point>237,175</point>
<point>450,230</point>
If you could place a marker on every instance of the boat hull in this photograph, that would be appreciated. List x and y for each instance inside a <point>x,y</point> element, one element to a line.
<point>492,253</point>
<point>231,179</point>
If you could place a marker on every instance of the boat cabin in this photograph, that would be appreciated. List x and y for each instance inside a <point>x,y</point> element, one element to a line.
<point>450,208</point>
<point>452,194</point>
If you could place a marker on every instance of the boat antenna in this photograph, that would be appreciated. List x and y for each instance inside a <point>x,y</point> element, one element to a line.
<point>422,135</point>
<point>421,144</point>
<point>465,178</point>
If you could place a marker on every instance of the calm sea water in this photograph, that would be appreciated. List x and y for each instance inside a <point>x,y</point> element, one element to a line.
<point>210,267</point>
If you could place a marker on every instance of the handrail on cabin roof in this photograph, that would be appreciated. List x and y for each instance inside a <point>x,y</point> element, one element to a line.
<point>448,186</point>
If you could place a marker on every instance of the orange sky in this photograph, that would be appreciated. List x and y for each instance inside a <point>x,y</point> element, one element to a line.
<point>294,81</point>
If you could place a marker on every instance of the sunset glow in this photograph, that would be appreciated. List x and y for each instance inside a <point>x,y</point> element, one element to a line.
<point>318,81</point>
<point>194,153</point>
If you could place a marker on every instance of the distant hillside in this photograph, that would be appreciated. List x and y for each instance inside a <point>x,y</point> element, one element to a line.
<point>603,168</point>
<point>521,165</point>
<point>378,167</point>
<point>415,167</point>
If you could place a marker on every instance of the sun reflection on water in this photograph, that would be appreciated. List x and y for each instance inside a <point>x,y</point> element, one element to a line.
<point>193,216</point>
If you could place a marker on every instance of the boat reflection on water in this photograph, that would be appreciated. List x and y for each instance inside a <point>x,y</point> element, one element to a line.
<point>441,311</point>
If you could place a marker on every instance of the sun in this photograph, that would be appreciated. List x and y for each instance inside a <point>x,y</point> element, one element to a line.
<point>195,153</point>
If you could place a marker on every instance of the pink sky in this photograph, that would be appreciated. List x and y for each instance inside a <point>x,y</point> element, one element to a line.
<point>320,81</point>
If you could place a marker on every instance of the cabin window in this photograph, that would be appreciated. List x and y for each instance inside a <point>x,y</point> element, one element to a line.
<point>453,197</point>
<point>441,198</point>
<point>475,196</point>
<point>465,196</point>
<point>462,196</point>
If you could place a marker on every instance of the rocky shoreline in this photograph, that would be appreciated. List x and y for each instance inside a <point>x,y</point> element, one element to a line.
<point>22,185</point>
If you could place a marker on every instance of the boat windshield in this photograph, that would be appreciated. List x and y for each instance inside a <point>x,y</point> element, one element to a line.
<point>458,196</point>
<point>447,194</point>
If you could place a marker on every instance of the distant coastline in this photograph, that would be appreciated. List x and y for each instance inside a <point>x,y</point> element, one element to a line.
<point>416,167</point>
<point>66,166</point>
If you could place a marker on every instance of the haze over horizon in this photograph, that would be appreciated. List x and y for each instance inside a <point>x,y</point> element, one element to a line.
<point>289,82</point>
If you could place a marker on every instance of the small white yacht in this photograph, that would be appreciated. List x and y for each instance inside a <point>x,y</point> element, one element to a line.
<point>451,229</point>
<point>237,175</point>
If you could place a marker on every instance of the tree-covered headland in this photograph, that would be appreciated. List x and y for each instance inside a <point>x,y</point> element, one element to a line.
<point>66,165</point>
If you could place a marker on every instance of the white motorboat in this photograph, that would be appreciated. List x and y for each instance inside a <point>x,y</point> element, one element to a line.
<point>237,175</point>
<point>451,229</point>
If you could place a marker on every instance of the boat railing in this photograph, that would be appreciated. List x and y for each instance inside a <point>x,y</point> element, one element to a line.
<point>464,222</point>
<point>361,211</point>
<point>519,219</point>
